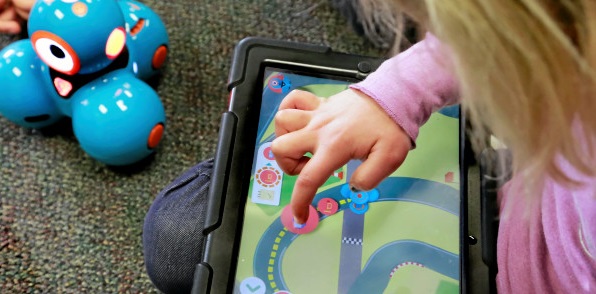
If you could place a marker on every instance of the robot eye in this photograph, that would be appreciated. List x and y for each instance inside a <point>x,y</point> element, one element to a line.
<point>115,43</point>
<point>55,52</point>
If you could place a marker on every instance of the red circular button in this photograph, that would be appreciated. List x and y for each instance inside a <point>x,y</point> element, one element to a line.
<point>327,206</point>
<point>287,219</point>
<point>267,153</point>
<point>268,177</point>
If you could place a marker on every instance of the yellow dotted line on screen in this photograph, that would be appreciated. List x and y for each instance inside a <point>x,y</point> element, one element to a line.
<point>281,234</point>
<point>272,283</point>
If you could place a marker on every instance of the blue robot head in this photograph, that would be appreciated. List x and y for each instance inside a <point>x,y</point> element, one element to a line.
<point>279,84</point>
<point>77,36</point>
<point>148,38</point>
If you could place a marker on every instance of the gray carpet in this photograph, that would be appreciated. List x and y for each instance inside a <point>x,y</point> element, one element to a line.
<point>70,225</point>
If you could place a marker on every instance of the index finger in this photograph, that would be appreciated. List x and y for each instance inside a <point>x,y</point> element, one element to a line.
<point>312,176</point>
<point>299,99</point>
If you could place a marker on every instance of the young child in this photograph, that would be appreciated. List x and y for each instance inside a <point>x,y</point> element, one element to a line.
<point>13,13</point>
<point>525,71</point>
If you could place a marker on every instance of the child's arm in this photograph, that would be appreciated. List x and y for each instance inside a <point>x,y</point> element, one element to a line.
<point>350,125</point>
<point>413,84</point>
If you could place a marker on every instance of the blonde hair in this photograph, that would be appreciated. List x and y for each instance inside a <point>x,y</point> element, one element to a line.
<point>384,22</point>
<point>527,74</point>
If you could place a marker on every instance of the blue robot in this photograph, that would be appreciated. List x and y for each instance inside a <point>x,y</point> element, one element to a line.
<point>87,59</point>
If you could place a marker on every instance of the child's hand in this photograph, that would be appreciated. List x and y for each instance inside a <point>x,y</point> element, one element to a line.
<point>23,7</point>
<point>349,125</point>
<point>13,13</point>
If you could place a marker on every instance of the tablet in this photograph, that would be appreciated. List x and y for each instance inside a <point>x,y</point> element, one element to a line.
<point>403,236</point>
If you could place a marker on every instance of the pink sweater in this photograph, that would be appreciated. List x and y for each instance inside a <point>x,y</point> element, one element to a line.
<point>550,249</point>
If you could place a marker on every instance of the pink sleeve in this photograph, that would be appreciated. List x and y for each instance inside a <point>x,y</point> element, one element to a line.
<point>548,246</point>
<point>413,84</point>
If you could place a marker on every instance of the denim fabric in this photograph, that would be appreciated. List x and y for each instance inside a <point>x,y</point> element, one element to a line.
<point>172,237</point>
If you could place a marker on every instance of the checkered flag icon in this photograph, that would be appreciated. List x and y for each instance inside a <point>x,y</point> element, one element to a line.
<point>352,241</point>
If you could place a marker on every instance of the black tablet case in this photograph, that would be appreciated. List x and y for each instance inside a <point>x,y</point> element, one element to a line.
<point>223,224</point>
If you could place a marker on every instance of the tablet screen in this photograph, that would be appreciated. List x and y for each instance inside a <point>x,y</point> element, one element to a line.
<point>401,237</point>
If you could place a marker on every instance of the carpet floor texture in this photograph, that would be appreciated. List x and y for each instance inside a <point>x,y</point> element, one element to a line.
<point>69,224</point>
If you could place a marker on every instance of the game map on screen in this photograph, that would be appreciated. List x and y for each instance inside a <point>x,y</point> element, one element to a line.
<point>401,237</point>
